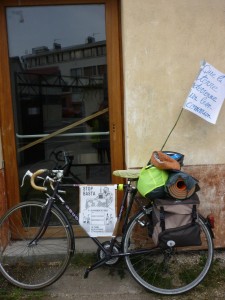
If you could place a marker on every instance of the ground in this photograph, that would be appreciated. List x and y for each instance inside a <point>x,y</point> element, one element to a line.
<point>110,283</point>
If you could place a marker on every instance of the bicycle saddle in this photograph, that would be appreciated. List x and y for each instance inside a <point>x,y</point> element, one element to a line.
<point>131,173</point>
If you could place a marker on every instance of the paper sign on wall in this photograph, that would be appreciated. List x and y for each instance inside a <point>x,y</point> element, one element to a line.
<point>207,94</point>
<point>98,209</point>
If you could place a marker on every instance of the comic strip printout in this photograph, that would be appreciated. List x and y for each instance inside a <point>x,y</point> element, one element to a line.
<point>98,209</point>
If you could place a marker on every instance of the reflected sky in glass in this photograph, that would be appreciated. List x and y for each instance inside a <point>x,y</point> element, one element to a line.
<point>68,25</point>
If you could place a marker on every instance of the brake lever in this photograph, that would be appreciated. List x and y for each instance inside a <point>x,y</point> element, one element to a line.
<point>47,178</point>
<point>28,173</point>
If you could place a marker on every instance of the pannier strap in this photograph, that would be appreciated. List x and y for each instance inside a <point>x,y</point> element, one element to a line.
<point>162,218</point>
<point>194,213</point>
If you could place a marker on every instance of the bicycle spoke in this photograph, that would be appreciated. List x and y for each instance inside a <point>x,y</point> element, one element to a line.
<point>170,271</point>
<point>39,264</point>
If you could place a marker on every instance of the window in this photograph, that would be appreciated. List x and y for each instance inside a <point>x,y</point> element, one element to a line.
<point>76,72</point>
<point>94,52</point>
<point>102,69</point>
<point>8,119</point>
<point>43,60</point>
<point>66,56</point>
<point>78,54</point>
<point>50,59</point>
<point>90,71</point>
<point>87,52</point>
<point>101,50</point>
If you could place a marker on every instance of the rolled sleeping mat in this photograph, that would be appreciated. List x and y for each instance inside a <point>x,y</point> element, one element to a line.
<point>179,190</point>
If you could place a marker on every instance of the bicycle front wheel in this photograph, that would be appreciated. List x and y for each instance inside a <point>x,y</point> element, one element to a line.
<point>40,263</point>
<point>171,271</point>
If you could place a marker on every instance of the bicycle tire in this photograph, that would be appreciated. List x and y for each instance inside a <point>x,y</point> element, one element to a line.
<point>38,265</point>
<point>181,272</point>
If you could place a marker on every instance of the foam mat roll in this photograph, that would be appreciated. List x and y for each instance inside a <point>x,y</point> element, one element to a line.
<point>179,190</point>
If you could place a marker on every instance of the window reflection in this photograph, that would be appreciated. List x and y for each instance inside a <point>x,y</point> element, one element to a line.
<point>59,76</point>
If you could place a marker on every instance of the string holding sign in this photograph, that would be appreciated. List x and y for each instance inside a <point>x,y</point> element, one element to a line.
<point>207,93</point>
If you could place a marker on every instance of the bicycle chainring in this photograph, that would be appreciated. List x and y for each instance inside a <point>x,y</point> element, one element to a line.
<point>116,249</point>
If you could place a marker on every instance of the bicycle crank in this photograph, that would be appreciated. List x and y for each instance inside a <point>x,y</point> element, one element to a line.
<point>116,249</point>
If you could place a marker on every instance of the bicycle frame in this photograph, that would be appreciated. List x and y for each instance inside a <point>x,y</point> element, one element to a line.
<point>127,202</point>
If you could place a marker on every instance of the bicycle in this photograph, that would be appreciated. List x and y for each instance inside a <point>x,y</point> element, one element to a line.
<point>60,158</point>
<point>37,241</point>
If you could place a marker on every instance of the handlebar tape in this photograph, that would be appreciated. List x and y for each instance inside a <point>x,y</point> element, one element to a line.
<point>32,180</point>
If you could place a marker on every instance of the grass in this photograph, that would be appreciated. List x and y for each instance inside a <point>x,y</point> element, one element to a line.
<point>215,276</point>
<point>10,292</point>
<point>83,259</point>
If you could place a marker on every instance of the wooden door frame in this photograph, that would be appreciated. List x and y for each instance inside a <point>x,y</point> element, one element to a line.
<point>115,90</point>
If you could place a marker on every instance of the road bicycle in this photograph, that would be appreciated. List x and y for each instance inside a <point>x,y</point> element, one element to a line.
<point>37,240</point>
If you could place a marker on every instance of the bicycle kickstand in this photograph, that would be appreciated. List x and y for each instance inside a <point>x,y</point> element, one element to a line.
<point>95,266</point>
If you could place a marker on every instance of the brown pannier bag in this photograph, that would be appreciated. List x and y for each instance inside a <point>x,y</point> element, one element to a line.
<point>174,222</point>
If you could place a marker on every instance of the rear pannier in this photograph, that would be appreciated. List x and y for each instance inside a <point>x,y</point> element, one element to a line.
<point>174,222</point>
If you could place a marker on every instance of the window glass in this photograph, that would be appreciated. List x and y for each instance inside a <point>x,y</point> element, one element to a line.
<point>53,63</point>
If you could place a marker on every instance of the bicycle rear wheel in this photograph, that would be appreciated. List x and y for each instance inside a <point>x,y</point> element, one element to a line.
<point>169,272</point>
<point>42,263</point>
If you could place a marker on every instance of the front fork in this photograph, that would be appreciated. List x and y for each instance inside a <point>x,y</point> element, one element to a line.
<point>45,222</point>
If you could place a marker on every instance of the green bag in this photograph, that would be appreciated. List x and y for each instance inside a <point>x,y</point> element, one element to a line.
<point>151,182</point>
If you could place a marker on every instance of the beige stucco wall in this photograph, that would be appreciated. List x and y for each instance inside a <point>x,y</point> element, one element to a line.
<point>164,42</point>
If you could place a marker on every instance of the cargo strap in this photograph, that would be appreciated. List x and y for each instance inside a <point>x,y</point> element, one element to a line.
<point>162,218</point>
<point>194,213</point>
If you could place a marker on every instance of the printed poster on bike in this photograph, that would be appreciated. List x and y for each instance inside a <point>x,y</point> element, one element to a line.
<point>98,209</point>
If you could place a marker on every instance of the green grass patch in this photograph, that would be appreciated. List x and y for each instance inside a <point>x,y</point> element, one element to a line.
<point>215,276</point>
<point>10,292</point>
<point>83,259</point>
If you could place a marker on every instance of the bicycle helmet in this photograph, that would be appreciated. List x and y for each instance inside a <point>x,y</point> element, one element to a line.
<point>176,155</point>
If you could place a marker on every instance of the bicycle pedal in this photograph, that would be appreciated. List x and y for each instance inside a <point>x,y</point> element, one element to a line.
<point>86,273</point>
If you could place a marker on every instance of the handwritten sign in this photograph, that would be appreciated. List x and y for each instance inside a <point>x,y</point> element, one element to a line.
<point>97,214</point>
<point>207,94</point>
